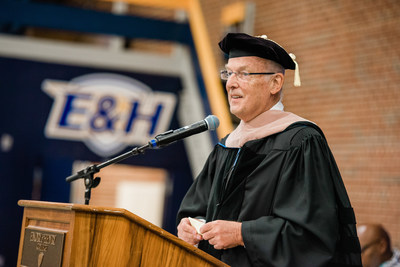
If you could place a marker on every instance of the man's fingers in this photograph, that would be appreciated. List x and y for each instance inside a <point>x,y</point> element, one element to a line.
<point>188,233</point>
<point>207,230</point>
<point>206,227</point>
<point>185,226</point>
<point>222,234</point>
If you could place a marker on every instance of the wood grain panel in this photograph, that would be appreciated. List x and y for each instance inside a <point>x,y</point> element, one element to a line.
<point>102,236</point>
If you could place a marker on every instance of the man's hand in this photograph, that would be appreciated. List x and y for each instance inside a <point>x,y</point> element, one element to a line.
<point>188,233</point>
<point>223,234</point>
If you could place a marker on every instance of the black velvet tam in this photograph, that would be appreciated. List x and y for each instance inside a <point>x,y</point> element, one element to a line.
<point>242,45</point>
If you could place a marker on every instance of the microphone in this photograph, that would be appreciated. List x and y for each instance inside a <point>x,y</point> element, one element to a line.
<point>211,122</point>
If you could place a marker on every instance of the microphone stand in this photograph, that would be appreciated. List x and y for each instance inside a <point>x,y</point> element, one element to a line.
<point>88,173</point>
<point>160,140</point>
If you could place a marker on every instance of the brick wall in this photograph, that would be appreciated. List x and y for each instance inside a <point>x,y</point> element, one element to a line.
<point>349,57</point>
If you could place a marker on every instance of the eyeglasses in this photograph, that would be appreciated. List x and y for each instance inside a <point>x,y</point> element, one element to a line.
<point>241,75</point>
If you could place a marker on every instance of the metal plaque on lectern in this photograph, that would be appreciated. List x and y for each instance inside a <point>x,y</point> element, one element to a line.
<point>42,247</point>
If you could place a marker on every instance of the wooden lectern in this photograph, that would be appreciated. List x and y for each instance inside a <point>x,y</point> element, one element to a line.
<point>58,234</point>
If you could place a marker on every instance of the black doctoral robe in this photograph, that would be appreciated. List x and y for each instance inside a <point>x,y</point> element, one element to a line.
<point>288,193</point>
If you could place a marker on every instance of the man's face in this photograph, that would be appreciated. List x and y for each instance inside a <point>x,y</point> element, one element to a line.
<point>251,97</point>
<point>370,247</point>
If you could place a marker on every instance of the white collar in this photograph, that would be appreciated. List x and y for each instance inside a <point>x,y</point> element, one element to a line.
<point>278,106</point>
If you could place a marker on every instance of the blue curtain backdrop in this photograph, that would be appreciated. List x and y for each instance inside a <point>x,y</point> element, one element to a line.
<point>24,111</point>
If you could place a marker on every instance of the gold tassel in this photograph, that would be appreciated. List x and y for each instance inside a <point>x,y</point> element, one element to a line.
<point>297,81</point>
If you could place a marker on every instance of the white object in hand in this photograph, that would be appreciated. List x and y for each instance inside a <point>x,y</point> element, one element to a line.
<point>196,223</point>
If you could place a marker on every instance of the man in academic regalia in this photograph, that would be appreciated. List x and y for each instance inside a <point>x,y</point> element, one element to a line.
<point>270,192</point>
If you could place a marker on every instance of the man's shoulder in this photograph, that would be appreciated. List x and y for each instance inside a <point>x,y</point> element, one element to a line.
<point>394,261</point>
<point>295,134</point>
<point>302,130</point>
<point>291,137</point>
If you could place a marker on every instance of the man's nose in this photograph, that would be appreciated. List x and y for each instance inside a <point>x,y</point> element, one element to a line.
<point>232,82</point>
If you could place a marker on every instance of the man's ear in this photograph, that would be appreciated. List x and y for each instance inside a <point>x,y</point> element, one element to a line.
<point>276,83</point>
<point>383,246</point>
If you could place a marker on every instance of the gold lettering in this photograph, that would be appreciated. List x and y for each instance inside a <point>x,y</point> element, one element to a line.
<point>47,239</point>
<point>41,247</point>
<point>35,237</point>
<point>53,240</point>
<point>32,237</point>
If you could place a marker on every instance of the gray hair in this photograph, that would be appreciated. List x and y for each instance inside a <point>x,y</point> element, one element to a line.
<point>277,68</point>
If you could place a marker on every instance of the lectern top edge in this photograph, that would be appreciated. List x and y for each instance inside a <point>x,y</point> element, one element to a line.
<point>88,209</point>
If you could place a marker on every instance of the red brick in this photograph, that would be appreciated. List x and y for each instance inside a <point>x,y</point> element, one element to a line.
<point>349,57</point>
